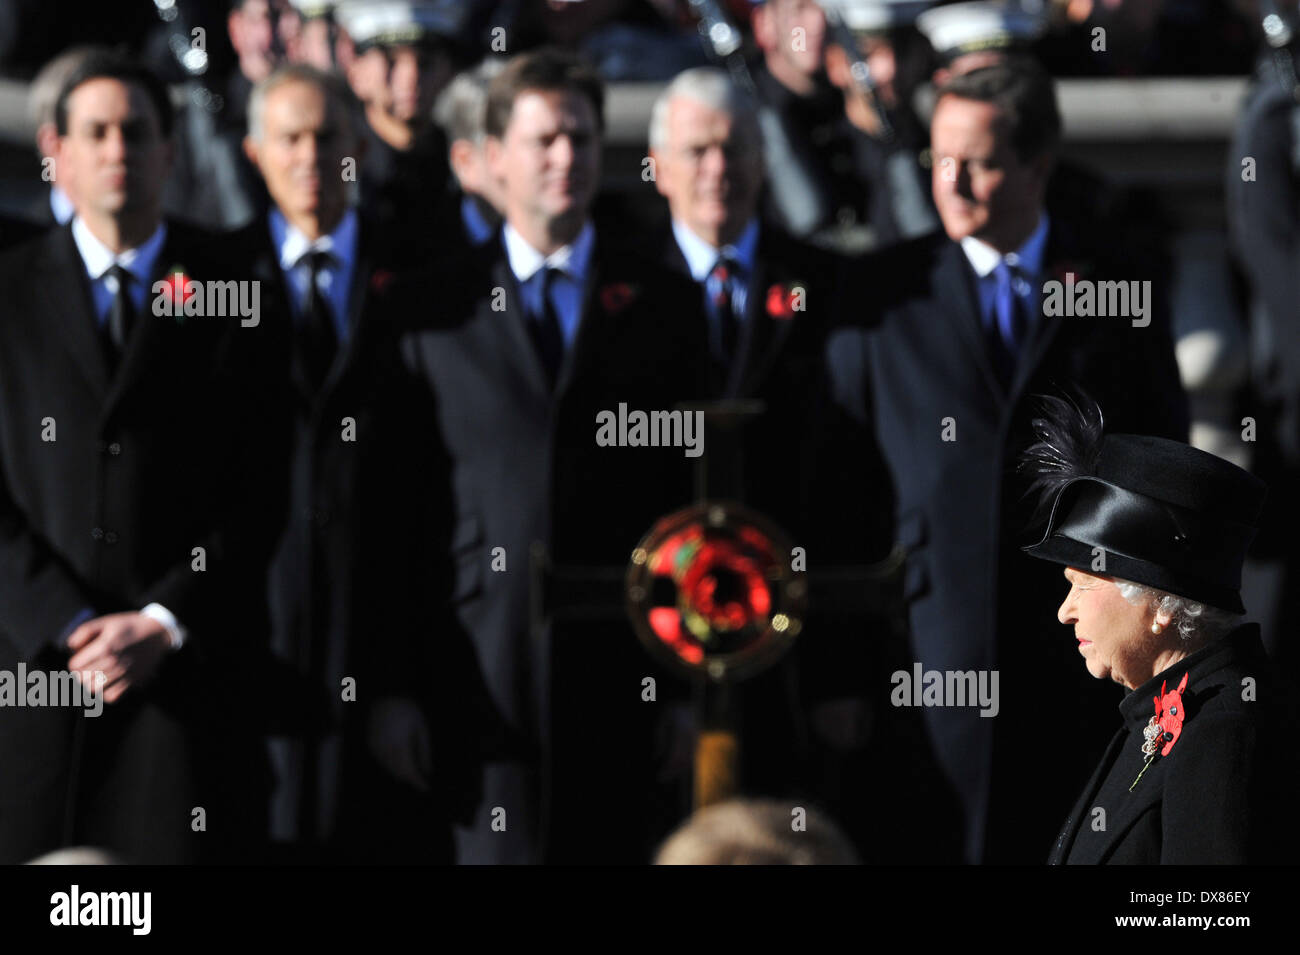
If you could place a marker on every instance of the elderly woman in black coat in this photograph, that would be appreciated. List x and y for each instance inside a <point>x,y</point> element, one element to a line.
<point>1152,534</point>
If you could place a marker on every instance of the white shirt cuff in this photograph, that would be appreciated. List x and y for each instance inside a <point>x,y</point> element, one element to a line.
<point>175,632</point>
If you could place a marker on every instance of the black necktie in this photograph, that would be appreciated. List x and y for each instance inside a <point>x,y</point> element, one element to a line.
<point>721,290</point>
<point>121,315</point>
<point>548,339</point>
<point>318,338</point>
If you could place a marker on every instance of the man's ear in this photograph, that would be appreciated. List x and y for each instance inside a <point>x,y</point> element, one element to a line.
<point>764,28</point>
<point>656,159</point>
<point>461,156</point>
<point>494,151</point>
<point>250,150</point>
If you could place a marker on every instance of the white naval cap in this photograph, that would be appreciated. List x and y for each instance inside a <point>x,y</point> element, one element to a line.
<point>385,22</point>
<point>875,16</point>
<point>313,9</point>
<point>975,25</point>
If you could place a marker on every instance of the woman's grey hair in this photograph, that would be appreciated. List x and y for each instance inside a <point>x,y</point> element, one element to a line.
<point>334,87</point>
<point>1196,622</point>
<point>713,88</point>
<point>461,109</point>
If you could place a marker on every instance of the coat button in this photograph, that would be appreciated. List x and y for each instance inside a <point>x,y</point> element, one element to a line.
<point>97,533</point>
<point>110,537</point>
<point>115,449</point>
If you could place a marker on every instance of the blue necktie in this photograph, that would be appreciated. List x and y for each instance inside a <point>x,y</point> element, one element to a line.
<point>1008,332</point>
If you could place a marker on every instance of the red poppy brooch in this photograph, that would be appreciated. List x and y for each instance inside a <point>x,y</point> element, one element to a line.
<point>617,296</point>
<point>176,290</point>
<point>784,300</point>
<point>1165,727</point>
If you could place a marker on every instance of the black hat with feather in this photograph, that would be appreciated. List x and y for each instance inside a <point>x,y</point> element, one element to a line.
<point>1160,512</point>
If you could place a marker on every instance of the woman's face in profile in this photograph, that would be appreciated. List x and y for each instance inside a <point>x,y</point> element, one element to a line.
<point>1114,635</point>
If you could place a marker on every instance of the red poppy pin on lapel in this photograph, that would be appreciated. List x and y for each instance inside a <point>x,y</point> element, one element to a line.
<point>617,296</point>
<point>176,291</point>
<point>784,300</point>
<point>380,279</point>
<point>1165,727</point>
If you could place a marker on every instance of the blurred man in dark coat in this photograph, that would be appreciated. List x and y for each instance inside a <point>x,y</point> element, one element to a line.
<point>212,183</point>
<point>517,349</point>
<point>140,463</point>
<point>317,258</point>
<point>971,325</point>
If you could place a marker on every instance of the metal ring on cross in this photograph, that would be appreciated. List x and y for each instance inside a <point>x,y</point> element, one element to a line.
<point>710,589</point>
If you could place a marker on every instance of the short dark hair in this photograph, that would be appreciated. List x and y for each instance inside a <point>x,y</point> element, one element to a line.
<point>546,69</point>
<point>1026,96</point>
<point>115,67</point>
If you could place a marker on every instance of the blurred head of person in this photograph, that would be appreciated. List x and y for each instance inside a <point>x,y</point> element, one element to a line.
<point>461,111</point>
<point>994,137</point>
<point>544,121</point>
<point>114,123</point>
<point>314,39</point>
<point>403,56</point>
<point>882,36</point>
<point>708,154</point>
<point>44,93</point>
<point>757,832</point>
<point>258,35</point>
<point>400,81</point>
<point>792,35</point>
<point>300,130</point>
<point>41,99</point>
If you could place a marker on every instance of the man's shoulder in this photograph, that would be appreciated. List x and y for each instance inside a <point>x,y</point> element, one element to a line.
<point>41,250</point>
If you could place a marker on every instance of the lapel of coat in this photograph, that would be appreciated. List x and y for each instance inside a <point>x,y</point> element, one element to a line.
<point>954,284</point>
<point>585,347</point>
<point>1065,841</point>
<point>507,330</point>
<point>363,268</point>
<point>764,336</point>
<point>676,262</point>
<point>66,290</point>
<point>153,334</point>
